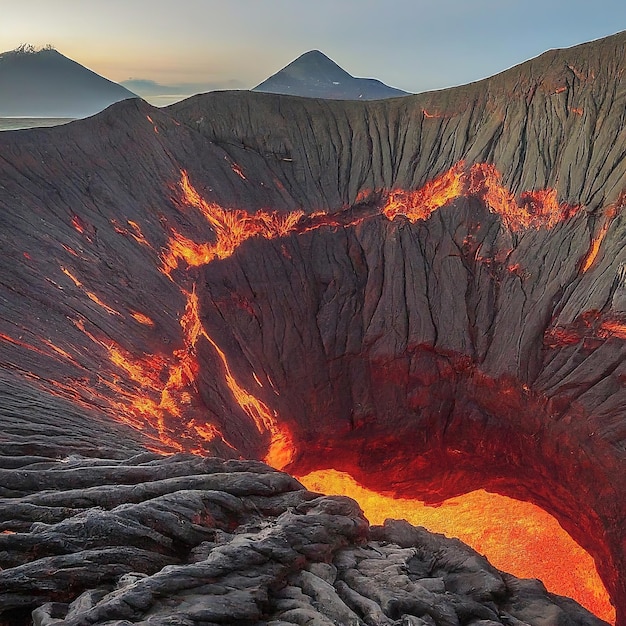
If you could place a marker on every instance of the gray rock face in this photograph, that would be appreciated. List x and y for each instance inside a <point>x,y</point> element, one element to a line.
<point>200,541</point>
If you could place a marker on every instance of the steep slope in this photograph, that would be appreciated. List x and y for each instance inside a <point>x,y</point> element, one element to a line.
<point>314,75</point>
<point>426,292</point>
<point>45,83</point>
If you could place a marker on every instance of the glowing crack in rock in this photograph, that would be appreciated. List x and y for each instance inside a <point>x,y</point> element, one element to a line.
<point>281,449</point>
<point>598,238</point>
<point>533,210</point>
<point>231,227</point>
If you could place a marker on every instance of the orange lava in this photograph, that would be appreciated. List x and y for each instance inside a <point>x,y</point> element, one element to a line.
<point>238,171</point>
<point>613,328</point>
<point>160,391</point>
<point>77,223</point>
<point>596,241</point>
<point>158,394</point>
<point>141,318</point>
<point>591,326</point>
<point>92,296</point>
<point>137,235</point>
<point>165,386</point>
<point>533,210</point>
<point>517,537</point>
<point>420,204</point>
<point>231,227</point>
<point>281,447</point>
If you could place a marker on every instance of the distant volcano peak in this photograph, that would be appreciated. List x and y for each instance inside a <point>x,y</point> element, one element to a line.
<point>45,83</point>
<point>316,62</point>
<point>315,75</point>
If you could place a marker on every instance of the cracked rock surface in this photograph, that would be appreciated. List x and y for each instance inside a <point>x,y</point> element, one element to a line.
<point>200,541</point>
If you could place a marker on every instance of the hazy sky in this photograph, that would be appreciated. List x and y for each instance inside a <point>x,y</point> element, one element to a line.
<point>195,45</point>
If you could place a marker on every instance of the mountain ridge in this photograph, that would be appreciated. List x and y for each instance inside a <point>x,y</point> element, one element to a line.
<point>315,75</point>
<point>45,83</point>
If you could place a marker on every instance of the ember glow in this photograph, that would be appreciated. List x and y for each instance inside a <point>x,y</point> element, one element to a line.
<point>533,210</point>
<point>491,524</point>
<point>231,229</point>
<point>141,318</point>
<point>598,238</point>
<point>420,204</point>
<point>160,391</point>
<point>280,449</point>
<point>589,328</point>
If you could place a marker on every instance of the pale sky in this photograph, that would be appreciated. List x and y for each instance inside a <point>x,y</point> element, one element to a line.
<point>198,45</point>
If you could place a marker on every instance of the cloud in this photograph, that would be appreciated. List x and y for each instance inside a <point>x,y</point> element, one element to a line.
<point>151,89</point>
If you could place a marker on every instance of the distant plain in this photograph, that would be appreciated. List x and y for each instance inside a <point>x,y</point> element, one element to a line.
<point>18,123</point>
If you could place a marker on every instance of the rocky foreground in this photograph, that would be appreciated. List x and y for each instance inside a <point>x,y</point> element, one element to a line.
<point>188,540</point>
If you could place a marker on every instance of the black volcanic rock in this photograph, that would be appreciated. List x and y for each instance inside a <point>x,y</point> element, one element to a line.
<point>195,541</point>
<point>45,83</point>
<point>314,75</point>
<point>426,356</point>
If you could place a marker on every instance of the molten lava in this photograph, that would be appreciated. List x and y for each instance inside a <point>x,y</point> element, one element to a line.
<point>491,524</point>
<point>231,228</point>
<point>420,204</point>
<point>534,209</point>
<point>280,449</point>
<point>598,238</point>
<point>588,328</point>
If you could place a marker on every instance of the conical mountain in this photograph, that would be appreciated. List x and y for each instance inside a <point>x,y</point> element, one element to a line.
<point>45,83</point>
<point>314,75</point>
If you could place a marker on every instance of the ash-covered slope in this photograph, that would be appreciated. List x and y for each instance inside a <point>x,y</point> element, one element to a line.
<point>45,83</point>
<point>314,75</point>
<point>250,273</point>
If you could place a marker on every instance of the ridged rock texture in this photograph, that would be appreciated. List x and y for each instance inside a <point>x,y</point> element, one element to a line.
<point>185,540</point>
<point>248,274</point>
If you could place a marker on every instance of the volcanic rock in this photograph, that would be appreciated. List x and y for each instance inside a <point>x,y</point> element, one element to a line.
<point>426,292</point>
<point>47,84</point>
<point>314,75</point>
<point>189,540</point>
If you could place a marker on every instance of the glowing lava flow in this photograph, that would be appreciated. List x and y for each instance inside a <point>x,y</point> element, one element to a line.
<point>164,391</point>
<point>491,524</point>
<point>535,209</point>
<point>597,240</point>
<point>231,227</point>
<point>420,204</point>
<point>588,327</point>
<point>158,392</point>
<point>281,446</point>
<point>92,296</point>
<point>165,388</point>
